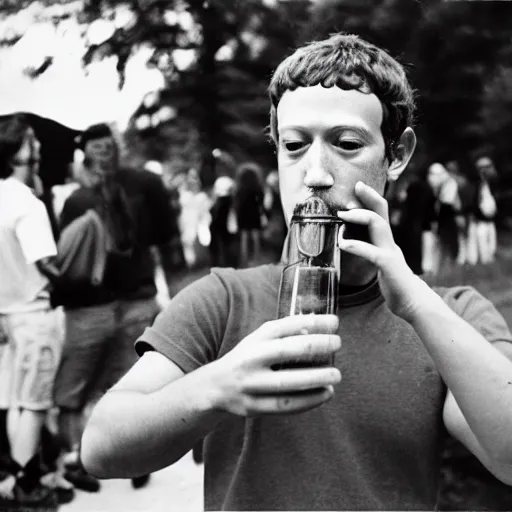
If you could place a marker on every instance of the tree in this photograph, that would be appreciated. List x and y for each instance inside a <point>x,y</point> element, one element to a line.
<point>232,49</point>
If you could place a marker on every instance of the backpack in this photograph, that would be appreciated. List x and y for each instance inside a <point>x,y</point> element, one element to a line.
<point>486,201</point>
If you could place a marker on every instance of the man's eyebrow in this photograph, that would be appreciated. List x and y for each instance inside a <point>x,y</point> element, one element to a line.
<point>359,129</point>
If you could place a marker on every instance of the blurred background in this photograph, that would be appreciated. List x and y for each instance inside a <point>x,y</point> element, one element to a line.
<point>182,78</point>
<point>183,83</point>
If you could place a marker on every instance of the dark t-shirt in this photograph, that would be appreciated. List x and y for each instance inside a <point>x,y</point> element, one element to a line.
<point>127,276</point>
<point>374,446</point>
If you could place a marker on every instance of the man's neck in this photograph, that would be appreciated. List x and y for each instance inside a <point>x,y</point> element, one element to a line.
<point>356,271</point>
<point>20,174</point>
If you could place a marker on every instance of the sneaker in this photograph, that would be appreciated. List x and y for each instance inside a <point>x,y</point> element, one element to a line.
<point>140,481</point>
<point>7,484</point>
<point>39,497</point>
<point>82,480</point>
<point>63,489</point>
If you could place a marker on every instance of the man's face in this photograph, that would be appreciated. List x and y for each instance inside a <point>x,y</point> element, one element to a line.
<point>101,152</point>
<point>29,152</point>
<point>329,139</point>
<point>28,156</point>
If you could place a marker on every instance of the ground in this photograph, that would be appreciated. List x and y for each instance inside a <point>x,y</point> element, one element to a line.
<point>178,488</point>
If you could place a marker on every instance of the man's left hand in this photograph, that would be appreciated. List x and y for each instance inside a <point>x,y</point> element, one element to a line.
<point>401,288</point>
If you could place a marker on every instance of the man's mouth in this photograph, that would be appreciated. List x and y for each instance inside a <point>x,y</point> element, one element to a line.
<point>314,206</point>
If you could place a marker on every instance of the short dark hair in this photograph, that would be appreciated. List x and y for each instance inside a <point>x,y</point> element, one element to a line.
<point>12,134</point>
<point>349,62</point>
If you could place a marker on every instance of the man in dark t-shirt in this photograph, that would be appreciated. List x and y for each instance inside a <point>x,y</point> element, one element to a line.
<point>414,360</point>
<point>103,320</point>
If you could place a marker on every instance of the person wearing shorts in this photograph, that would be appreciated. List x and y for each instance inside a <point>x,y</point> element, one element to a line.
<point>103,320</point>
<point>30,330</point>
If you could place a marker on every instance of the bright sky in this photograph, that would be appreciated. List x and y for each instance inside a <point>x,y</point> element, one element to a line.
<point>65,92</point>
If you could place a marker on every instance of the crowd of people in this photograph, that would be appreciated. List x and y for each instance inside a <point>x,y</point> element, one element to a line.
<point>446,216</point>
<point>76,295</point>
<point>77,292</point>
<point>238,223</point>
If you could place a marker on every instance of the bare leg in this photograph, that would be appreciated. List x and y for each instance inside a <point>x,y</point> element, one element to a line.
<point>71,428</point>
<point>26,440</point>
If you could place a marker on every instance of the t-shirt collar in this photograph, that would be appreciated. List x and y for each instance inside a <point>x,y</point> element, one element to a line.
<point>362,296</point>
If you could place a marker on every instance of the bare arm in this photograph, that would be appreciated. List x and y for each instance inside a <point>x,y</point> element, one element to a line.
<point>149,420</point>
<point>458,426</point>
<point>164,258</point>
<point>48,267</point>
<point>155,414</point>
<point>478,375</point>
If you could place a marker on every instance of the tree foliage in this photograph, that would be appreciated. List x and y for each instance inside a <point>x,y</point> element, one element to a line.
<point>458,56</point>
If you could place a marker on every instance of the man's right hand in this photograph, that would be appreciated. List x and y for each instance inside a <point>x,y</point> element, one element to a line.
<point>244,383</point>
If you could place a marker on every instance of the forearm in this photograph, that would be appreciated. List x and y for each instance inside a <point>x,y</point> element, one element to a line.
<point>477,374</point>
<point>164,256</point>
<point>131,433</point>
<point>48,267</point>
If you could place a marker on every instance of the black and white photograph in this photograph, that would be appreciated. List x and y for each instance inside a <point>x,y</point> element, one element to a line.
<point>255,255</point>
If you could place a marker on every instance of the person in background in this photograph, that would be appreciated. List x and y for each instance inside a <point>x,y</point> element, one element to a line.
<point>249,210</point>
<point>222,241</point>
<point>163,295</point>
<point>62,191</point>
<point>447,210</point>
<point>31,333</point>
<point>416,361</point>
<point>485,211</point>
<point>103,318</point>
<point>195,215</point>
<point>466,188</point>
<point>416,223</point>
<point>274,233</point>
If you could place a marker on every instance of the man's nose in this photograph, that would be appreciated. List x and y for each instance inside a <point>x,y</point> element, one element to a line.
<point>319,168</point>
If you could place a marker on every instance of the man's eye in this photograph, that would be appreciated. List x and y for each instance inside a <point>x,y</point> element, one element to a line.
<point>349,145</point>
<point>293,145</point>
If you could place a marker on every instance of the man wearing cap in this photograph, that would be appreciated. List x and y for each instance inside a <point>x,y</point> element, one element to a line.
<point>102,321</point>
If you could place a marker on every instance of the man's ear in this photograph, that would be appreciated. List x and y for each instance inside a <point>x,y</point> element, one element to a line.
<point>402,154</point>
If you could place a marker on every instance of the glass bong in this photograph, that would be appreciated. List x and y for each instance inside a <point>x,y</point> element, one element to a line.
<point>309,281</point>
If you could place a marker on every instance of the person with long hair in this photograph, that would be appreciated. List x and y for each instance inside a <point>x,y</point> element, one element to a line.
<point>447,208</point>
<point>249,194</point>
<point>102,318</point>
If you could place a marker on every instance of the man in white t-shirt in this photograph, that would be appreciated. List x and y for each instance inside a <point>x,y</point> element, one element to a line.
<point>30,330</point>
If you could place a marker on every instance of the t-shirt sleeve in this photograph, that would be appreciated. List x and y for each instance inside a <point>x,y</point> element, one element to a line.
<point>34,232</point>
<point>189,331</point>
<point>478,311</point>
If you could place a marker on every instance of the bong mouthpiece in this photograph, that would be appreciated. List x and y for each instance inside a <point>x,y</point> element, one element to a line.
<point>311,223</point>
<point>311,208</point>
